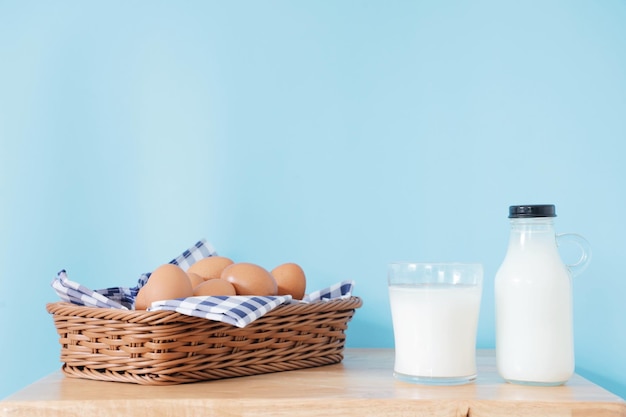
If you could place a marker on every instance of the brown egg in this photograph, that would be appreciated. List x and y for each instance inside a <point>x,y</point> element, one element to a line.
<point>195,279</point>
<point>215,287</point>
<point>290,279</point>
<point>140,300</point>
<point>211,267</point>
<point>250,279</point>
<point>167,282</point>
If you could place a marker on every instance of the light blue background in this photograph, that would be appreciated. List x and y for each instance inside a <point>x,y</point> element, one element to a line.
<point>340,135</point>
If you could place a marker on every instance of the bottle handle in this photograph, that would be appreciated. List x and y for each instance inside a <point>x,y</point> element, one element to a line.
<point>585,252</point>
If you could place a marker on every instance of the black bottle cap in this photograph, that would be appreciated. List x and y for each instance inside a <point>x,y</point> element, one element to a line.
<point>537,210</point>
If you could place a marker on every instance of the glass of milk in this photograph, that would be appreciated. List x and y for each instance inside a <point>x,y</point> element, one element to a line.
<point>434,309</point>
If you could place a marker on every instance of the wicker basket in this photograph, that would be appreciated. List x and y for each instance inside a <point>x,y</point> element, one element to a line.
<point>166,347</point>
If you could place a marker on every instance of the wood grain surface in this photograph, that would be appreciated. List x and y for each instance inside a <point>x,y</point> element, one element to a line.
<point>362,385</point>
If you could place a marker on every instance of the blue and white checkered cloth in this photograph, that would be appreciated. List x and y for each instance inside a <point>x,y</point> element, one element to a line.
<point>236,310</point>
<point>122,297</point>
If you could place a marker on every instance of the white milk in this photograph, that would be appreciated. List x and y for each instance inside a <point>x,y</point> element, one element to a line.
<point>534,336</point>
<point>435,329</point>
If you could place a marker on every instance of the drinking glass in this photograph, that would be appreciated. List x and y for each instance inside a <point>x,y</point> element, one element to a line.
<point>434,309</point>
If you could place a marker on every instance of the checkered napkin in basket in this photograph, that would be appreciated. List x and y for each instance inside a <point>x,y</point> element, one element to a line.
<point>236,310</point>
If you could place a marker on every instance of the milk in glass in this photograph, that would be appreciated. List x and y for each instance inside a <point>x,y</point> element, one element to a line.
<point>435,328</point>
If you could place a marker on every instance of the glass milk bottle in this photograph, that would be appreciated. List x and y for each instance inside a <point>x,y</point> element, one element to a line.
<point>533,300</point>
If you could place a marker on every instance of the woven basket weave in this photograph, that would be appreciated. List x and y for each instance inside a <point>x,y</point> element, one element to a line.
<point>166,347</point>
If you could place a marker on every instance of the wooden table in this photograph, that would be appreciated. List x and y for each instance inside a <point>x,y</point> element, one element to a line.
<point>362,385</point>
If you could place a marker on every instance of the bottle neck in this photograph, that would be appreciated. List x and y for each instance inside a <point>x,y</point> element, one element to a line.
<point>532,231</point>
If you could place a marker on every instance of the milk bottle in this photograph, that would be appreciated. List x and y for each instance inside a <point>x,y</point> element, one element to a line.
<point>533,300</point>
